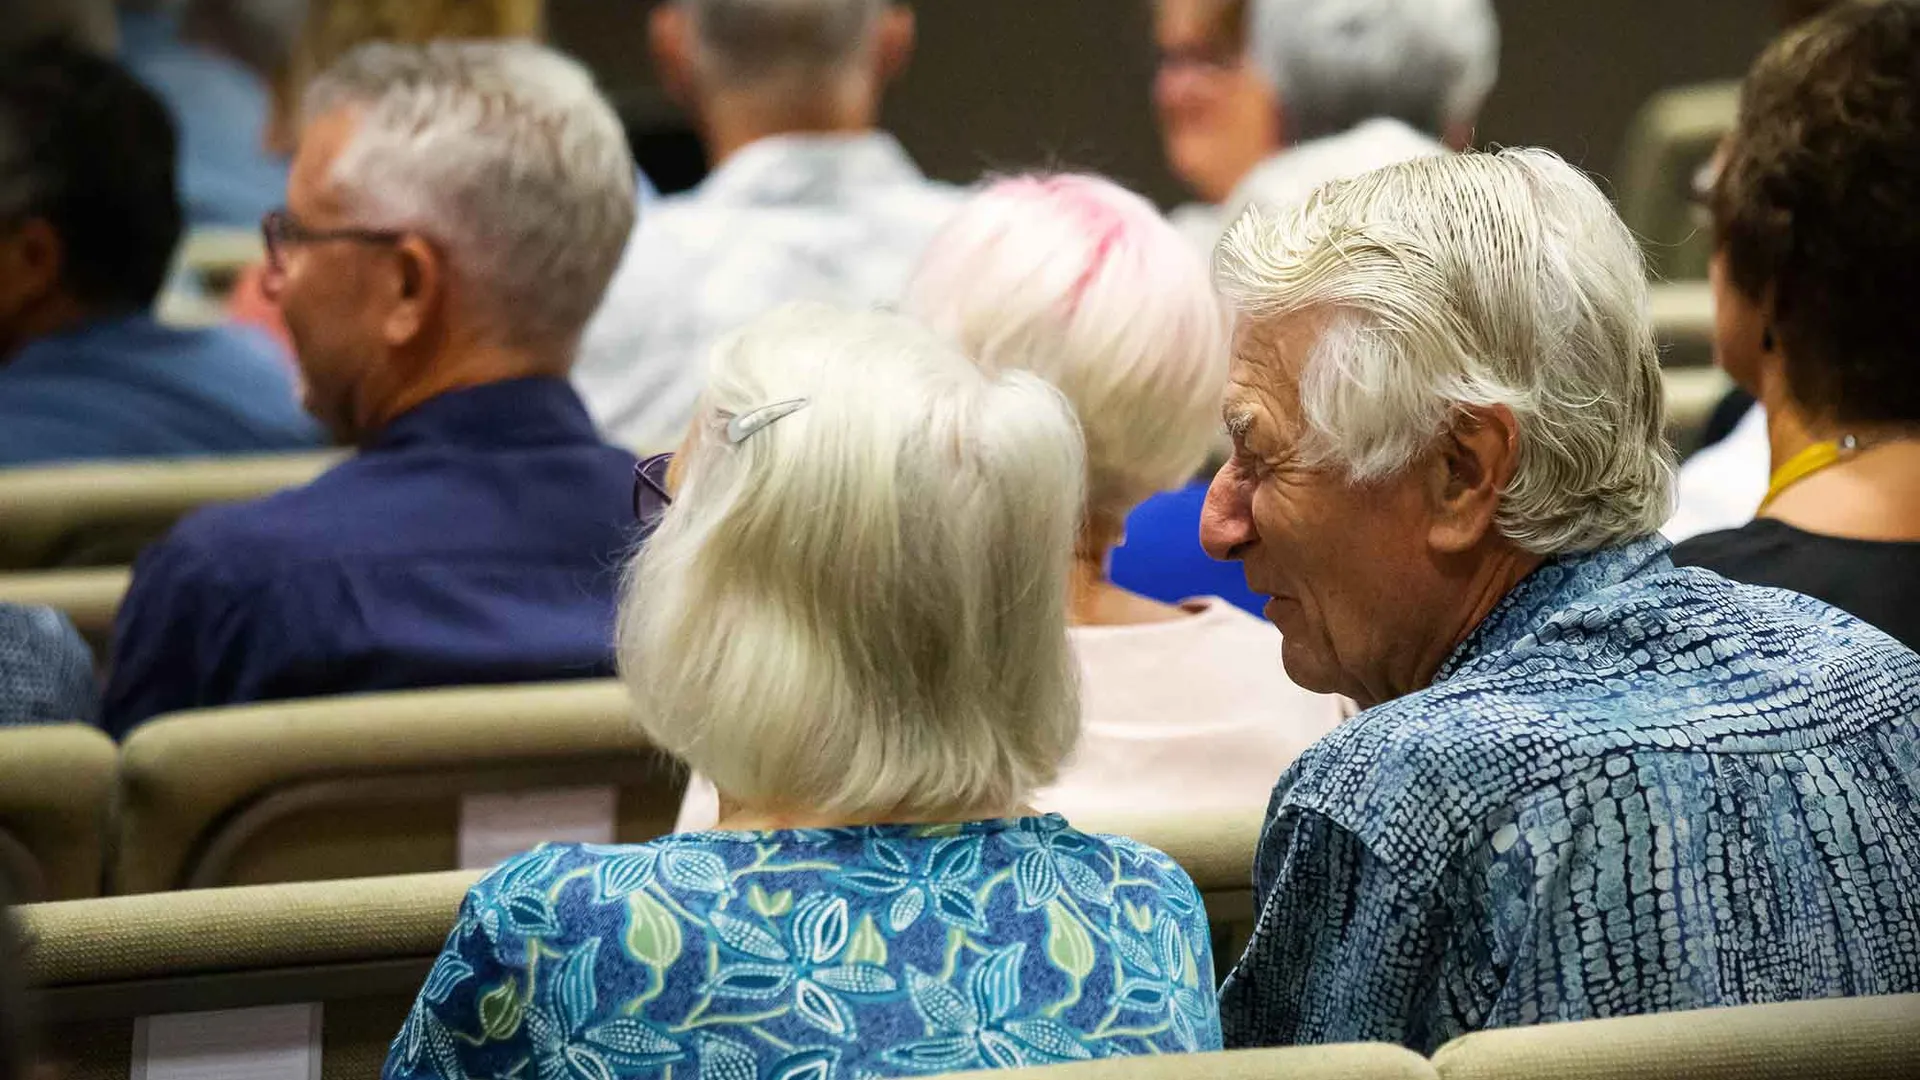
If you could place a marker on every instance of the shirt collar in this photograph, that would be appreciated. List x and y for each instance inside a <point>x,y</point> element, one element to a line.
<point>54,349</point>
<point>1555,586</point>
<point>809,169</point>
<point>528,412</point>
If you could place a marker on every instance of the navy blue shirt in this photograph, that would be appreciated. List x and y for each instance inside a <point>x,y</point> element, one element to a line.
<point>128,387</point>
<point>478,539</point>
<point>1162,558</point>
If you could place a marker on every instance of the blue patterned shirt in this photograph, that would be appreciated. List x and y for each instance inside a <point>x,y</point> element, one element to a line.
<point>816,954</point>
<point>1633,789</point>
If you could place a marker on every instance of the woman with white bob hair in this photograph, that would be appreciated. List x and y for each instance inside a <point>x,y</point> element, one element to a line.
<point>1077,280</point>
<point>851,616</point>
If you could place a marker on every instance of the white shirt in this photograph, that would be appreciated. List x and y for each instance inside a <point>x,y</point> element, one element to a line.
<point>1721,486</point>
<point>840,219</point>
<point>1190,715</point>
<point>1285,179</point>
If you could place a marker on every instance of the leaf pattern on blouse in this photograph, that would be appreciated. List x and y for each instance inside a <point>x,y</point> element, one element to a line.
<point>817,954</point>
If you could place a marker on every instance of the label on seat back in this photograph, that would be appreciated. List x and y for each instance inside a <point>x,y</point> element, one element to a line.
<point>498,825</point>
<point>276,1042</point>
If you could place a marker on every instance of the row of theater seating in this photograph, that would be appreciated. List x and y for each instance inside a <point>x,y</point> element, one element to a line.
<point>342,787</point>
<point>359,950</point>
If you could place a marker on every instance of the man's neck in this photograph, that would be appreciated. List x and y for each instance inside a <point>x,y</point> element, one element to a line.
<point>58,314</point>
<point>1497,573</point>
<point>472,367</point>
<point>733,122</point>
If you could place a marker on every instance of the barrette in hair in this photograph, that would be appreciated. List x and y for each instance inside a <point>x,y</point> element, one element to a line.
<point>742,427</point>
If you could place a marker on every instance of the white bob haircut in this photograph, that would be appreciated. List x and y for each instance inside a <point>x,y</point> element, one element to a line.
<point>859,609</point>
<point>505,155</point>
<point>1338,63</point>
<point>1473,280</point>
<point>780,42</point>
<point>1084,283</point>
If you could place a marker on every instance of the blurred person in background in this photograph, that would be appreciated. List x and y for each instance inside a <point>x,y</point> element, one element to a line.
<point>89,219</point>
<point>808,199</point>
<point>453,215</point>
<point>84,24</point>
<point>46,670</point>
<point>1217,114</point>
<point>1816,212</point>
<point>1584,782</point>
<point>852,617</point>
<point>1184,705</point>
<point>1364,83</point>
<point>202,58</point>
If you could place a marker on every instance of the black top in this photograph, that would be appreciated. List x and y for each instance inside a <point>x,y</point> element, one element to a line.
<point>1876,580</point>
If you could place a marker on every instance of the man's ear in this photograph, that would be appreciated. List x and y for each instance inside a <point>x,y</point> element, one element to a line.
<point>670,38</point>
<point>893,43</point>
<point>1474,465</point>
<point>417,290</point>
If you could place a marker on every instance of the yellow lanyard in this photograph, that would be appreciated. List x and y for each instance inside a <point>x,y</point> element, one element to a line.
<point>1814,458</point>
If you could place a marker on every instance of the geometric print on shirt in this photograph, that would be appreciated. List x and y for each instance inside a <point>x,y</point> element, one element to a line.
<point>874,951</point>
<point>1633,789</point>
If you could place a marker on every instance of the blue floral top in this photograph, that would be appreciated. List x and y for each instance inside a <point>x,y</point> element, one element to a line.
<point>813,954</point>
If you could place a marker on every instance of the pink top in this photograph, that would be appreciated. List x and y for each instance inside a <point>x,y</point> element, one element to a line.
<point>1185,716</point>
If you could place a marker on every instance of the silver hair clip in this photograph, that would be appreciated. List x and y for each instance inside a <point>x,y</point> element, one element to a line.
<point>742,427</point>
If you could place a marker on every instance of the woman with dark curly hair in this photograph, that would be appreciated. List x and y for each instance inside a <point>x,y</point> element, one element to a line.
<point>1816,280</point>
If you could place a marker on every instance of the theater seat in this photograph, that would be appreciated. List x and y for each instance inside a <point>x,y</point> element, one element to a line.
<point>56,785</point>
<point>368,784</point>
<point>89,597</point>
<point>1356,1061</point>
<point>359,949</point>
<point>1671,137</point>
<point>1870,1038</point>
<point>102,514</point>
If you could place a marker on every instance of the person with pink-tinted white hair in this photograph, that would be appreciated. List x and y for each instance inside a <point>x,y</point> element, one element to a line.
<point>1183,706</point>
<point>1083,283</point>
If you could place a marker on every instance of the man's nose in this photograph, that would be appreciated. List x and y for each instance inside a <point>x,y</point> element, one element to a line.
<point>1226,521</point>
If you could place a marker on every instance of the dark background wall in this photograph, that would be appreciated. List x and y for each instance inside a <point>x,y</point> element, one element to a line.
<point>1007,84</point>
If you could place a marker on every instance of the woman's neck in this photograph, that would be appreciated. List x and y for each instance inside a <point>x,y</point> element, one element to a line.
<point>736,817</point>
<point>1871,494</point>
<point>1094,600</point>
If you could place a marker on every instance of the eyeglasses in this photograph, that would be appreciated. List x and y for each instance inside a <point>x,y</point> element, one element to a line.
<point>279,229</point>
<point>650,496</point>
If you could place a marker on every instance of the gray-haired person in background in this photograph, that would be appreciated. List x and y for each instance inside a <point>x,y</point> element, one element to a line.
<point>808,200</point>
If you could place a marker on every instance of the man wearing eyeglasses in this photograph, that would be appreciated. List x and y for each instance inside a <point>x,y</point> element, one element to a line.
<point>89,216</point>
<point>453,215</point>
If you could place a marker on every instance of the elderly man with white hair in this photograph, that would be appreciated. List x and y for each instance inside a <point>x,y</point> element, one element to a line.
<point>1583,783</point>
<point>808,200</point>
<point>453,215</point>
<point>1364,83</point>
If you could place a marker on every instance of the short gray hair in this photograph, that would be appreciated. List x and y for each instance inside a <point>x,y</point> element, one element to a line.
<point>860,608</point>
<point>504,153</point>
<point>1339,63</point>
<point>780,42</point>
<point>1473,280</point>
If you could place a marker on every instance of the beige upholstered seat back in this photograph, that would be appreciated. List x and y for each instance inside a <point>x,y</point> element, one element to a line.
<point>1873,1038</point>
<point>56,786</point>
<point>1356,1061</point>
<point>367,784</point>
<point>103,514</point>
<point>1673,135</point>
<point>360,949</point>
<point>90,597</point>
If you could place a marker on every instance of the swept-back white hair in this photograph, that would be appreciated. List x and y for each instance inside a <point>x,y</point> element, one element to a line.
<point>503,153</point>
<point>1084,283</point>
<point>860,609</point>
<point>780,42</point>
<point>1473,280</point>
<point>1339,63</point>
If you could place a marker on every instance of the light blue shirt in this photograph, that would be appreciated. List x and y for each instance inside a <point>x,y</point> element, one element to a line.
<point>129,387</point>
<point>1633,789</point>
